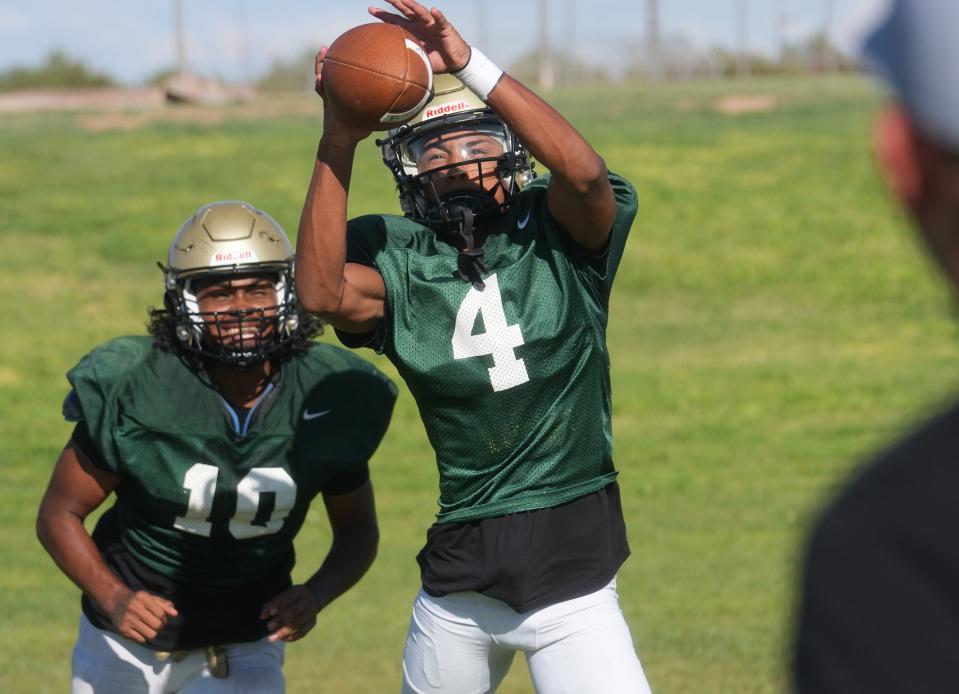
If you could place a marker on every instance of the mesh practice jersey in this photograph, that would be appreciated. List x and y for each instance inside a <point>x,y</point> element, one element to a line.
<point>198,502</point>
<point>512,381</point>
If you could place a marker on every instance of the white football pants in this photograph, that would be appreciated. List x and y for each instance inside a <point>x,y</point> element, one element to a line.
<point>464,643</point>
<point>106,663</point>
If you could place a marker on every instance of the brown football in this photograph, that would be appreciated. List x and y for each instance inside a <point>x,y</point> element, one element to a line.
<point>377,76</point>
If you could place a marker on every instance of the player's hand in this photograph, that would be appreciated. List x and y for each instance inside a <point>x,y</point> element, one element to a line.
<point>139,615</point>
<point>291,614</point>
<point>336,131</point>
<point>447,50</point>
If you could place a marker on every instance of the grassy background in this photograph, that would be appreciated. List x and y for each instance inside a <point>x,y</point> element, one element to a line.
<point>772,323</point>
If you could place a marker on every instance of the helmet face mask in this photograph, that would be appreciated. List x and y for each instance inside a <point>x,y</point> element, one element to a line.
<point>223,244</point>
<point>457,166</point>
<point>432,148</point>
<point>473,162</point>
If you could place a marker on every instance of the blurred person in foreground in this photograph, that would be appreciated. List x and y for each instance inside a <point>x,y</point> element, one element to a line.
<point>491,297</point>
<point>880,598</point>
<point>215,434</point>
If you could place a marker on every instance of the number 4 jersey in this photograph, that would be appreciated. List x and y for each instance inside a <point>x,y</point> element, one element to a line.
<point>512,381</point>
<point>209,500</point>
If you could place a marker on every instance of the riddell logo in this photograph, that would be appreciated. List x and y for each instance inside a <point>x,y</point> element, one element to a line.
<point>447,108</point>
<point>232,257</point>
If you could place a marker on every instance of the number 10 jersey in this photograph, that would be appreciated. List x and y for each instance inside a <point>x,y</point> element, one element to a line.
<point>209,501</point>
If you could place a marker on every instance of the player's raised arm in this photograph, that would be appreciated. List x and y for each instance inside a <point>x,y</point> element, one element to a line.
<point>347,295</point>
<point>580,196</point>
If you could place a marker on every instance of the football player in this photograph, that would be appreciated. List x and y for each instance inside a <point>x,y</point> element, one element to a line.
<point>490,296</point>
<point>215,434</point>
<point>879,611</point>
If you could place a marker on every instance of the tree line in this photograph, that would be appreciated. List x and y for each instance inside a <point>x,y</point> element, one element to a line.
<point>674,58</point>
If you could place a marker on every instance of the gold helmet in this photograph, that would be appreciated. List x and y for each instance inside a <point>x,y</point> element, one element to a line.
<point>454,108</point>
<point>222,239</point>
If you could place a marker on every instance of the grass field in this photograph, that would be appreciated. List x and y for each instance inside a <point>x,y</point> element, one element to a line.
<point>773,322</point>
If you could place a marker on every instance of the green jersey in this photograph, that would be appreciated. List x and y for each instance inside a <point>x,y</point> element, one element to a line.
<point>210,497</point>
<point>512,381</point>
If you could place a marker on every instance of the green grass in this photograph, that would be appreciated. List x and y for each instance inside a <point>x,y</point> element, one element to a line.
<point>774,322</point>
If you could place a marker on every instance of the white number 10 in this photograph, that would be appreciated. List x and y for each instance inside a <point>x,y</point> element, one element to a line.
<point>200,481</point>
<point>499,340</point>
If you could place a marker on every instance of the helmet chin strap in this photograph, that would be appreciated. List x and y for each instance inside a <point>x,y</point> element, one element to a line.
<point>469,262</point>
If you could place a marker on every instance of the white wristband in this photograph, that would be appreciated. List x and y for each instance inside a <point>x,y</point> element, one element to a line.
<point>480,74</point>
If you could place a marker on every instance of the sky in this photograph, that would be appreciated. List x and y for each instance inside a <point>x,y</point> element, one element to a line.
<point>238,39</point>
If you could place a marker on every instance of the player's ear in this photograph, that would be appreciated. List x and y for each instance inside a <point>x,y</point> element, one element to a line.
<point>897,147</point>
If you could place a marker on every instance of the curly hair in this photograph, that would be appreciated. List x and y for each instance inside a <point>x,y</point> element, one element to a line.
<point>162,326</point>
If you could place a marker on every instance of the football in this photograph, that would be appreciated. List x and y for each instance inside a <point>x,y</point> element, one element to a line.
<point>377,76</point>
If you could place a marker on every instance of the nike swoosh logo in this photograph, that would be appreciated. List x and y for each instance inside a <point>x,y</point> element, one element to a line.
<point>521,224</point>
<point>307,415</point>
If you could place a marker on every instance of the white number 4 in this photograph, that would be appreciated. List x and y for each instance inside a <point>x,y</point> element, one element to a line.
<point>499,340</point>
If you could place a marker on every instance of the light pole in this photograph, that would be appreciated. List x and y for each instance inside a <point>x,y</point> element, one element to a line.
<point>547,75</point>
<point>482,38</point>
<point>743,66</point>
<point>243,20</point>
<point>828,59</point>
<point>569,40</point>
<point>178,37</point>
<point>652,38</point>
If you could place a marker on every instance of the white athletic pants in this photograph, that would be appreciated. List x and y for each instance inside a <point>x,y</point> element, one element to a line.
<point>105,663</point>
<point>464,643</point>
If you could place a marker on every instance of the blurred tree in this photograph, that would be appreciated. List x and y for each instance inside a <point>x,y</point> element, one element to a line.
<point>293,75</point>
<point>730,64</point>
<point>568,69</point>
<point>680,58</point>
<point>677,57</point>
<point>58,70</point>
<point>817,54</point>
<point>161,77</point>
